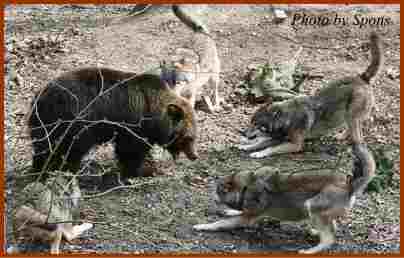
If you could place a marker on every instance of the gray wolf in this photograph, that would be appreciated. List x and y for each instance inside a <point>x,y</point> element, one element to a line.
<point>282,127</point>
<point>318,196</point>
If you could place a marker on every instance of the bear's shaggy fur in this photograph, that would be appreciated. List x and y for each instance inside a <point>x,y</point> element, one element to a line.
<point>90,106</point>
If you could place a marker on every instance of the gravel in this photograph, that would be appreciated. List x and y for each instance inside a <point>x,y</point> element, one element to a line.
<point>210,242</point>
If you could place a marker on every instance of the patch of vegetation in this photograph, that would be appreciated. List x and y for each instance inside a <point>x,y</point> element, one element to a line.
<point>384,171</point>
<point>275,81</point>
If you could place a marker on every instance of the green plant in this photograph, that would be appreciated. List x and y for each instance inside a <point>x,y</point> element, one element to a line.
<point>384,171</point>
<point>275,81</point>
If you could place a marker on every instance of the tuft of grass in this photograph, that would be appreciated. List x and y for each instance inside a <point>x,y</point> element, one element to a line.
<point>384,171</point>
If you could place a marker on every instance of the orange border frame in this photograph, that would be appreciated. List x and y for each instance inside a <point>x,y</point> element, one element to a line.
<point>2,57</point>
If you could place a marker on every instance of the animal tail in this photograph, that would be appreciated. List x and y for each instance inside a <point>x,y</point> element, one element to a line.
<point>31,217</point>
<point>192,22</point>
<point>204,46</point>
<point>364,168</point>
<point>377,58</point>
<point>139,9</point>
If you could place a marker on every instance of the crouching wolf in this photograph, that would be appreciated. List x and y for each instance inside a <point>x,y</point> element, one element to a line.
<point>282,127</point>
<point>318,196</point>
<point>47,211</point>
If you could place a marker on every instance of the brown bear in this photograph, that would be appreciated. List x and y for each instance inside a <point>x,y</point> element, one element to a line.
<point>90,106</point>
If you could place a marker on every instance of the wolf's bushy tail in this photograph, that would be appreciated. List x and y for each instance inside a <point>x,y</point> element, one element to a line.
<point>188,19</point>
<point>377,58</point>
<point>30,217</point>
<point>203,45</point>
<point>364,168</point>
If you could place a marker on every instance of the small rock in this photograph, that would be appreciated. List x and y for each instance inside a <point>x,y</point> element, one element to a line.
<point>392,73</point>
<point>253,66</point>
<point>228,106</point>
<point>219,148</point>
<point>12,249</point>
<point>280,16</point>
<point>75,31</point>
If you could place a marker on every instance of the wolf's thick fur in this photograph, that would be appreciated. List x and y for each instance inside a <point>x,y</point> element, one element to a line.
<point>349,100</point>
<point>91,106</point>
<point>47,211</point>
<point>208,68</point>
<point>318,196</point>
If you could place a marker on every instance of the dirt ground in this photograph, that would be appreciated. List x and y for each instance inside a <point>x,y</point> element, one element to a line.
<point>157,214</point>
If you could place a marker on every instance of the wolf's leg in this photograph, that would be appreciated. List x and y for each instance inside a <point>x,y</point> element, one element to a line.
<point>324,227</point>
<point>207,100</point>
<point>322,210</point>
<point>295,145</point>
<point>280,149</point>
<point>344,135</point>
<point>218,100</point>
<point>55,243</point>
<point>356,131</point>
<point>258,143</point>
<point>71,232</point>
<point>80,229</point>
<point>192,98</point>
<point>359,110</point>
<point>232,212</point>
<point>225,224</point>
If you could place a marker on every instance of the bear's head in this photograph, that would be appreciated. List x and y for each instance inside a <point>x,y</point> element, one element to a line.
<point>183,130</point>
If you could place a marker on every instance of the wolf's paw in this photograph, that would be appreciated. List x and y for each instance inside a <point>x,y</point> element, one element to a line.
<point>79,229</point>
<point>244,140</point>
<point>258,155</point>
<point>345,135</point>
<point>202,227</point>
<point>242,147</point>
<point>231,212</point>
<point>87,226</point>
<point>305,251</point>
<point>314,232</point>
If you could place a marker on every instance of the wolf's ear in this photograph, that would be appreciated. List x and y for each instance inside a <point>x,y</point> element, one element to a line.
<point>175,112</point>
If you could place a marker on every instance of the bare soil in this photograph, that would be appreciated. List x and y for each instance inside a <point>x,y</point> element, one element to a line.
<point>157,214</point>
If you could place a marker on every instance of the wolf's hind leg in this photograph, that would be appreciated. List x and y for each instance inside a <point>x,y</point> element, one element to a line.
<point>225,224</point>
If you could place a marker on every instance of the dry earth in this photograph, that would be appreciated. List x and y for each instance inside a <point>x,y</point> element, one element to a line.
<point>157,214</point>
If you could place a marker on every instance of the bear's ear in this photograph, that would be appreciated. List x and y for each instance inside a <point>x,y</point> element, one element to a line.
<point>166,85</point>
<point>175,112</point>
